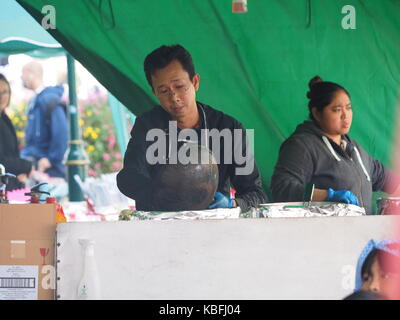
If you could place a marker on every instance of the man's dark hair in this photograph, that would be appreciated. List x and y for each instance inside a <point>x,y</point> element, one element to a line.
<point>182,187</point>
<point>163,56</point>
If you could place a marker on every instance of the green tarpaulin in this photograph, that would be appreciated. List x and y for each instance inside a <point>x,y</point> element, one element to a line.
<point>254,66</point>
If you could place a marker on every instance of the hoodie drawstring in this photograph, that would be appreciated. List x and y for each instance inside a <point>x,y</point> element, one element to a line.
<point>326,141</point>
<point>361,163</point>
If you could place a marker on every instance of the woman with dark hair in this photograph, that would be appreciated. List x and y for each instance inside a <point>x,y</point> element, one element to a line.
<point>320,152</point>
<point>9,152</point>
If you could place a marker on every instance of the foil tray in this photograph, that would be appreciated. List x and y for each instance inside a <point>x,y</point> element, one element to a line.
<point>308,209</point>
<point>180,215</point>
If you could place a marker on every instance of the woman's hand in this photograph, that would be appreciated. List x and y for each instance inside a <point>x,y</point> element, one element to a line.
<point>344,196</point>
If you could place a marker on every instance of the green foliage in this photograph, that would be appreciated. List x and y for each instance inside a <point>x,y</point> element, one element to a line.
<point>98,135</point>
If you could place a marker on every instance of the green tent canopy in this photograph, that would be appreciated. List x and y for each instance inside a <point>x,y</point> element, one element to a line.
<point>253,66</point>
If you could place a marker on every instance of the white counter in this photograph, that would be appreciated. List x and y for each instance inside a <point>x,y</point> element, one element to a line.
<point>288,258</point>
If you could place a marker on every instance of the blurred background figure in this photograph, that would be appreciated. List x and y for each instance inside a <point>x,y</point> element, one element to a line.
<point>46,133</point>
<point>9,151</point>
<point>377,270</point>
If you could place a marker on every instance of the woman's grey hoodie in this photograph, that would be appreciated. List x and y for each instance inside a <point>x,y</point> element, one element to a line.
<point>308,156</point>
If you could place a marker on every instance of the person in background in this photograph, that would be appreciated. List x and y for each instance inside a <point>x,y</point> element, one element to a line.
<point>47,130</point>
<point>9,151</point>
<point>171,75</point>
<point>321,152</point>
<point>378,269</point>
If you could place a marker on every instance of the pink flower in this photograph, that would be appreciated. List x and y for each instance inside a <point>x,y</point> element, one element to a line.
<point>116,165</point>
<point>106,157</point>
<point>118,155</point>
<point>92,173</point>
<point>97,165</point>
<point>111,142</point>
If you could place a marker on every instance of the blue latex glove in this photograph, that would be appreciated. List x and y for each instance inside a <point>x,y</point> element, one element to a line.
<point>344,196</point>
<point>221,201</point>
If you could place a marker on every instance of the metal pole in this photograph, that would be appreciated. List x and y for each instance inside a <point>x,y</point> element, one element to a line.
<point>77,160</point>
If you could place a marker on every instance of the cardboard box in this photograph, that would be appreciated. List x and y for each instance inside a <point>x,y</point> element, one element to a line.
<point>27,251</point>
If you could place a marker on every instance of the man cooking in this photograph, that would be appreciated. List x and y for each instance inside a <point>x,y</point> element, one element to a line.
<point>171,74</point>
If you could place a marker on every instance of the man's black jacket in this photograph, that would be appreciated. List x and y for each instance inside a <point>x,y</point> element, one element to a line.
<point>135,179</point>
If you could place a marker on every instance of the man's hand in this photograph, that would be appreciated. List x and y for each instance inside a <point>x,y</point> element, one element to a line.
<point>221,201</point>
<point>43,164</point>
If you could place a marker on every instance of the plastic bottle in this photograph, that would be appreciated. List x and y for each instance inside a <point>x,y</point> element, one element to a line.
<point>89,285</point>
<point>60,216</point>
